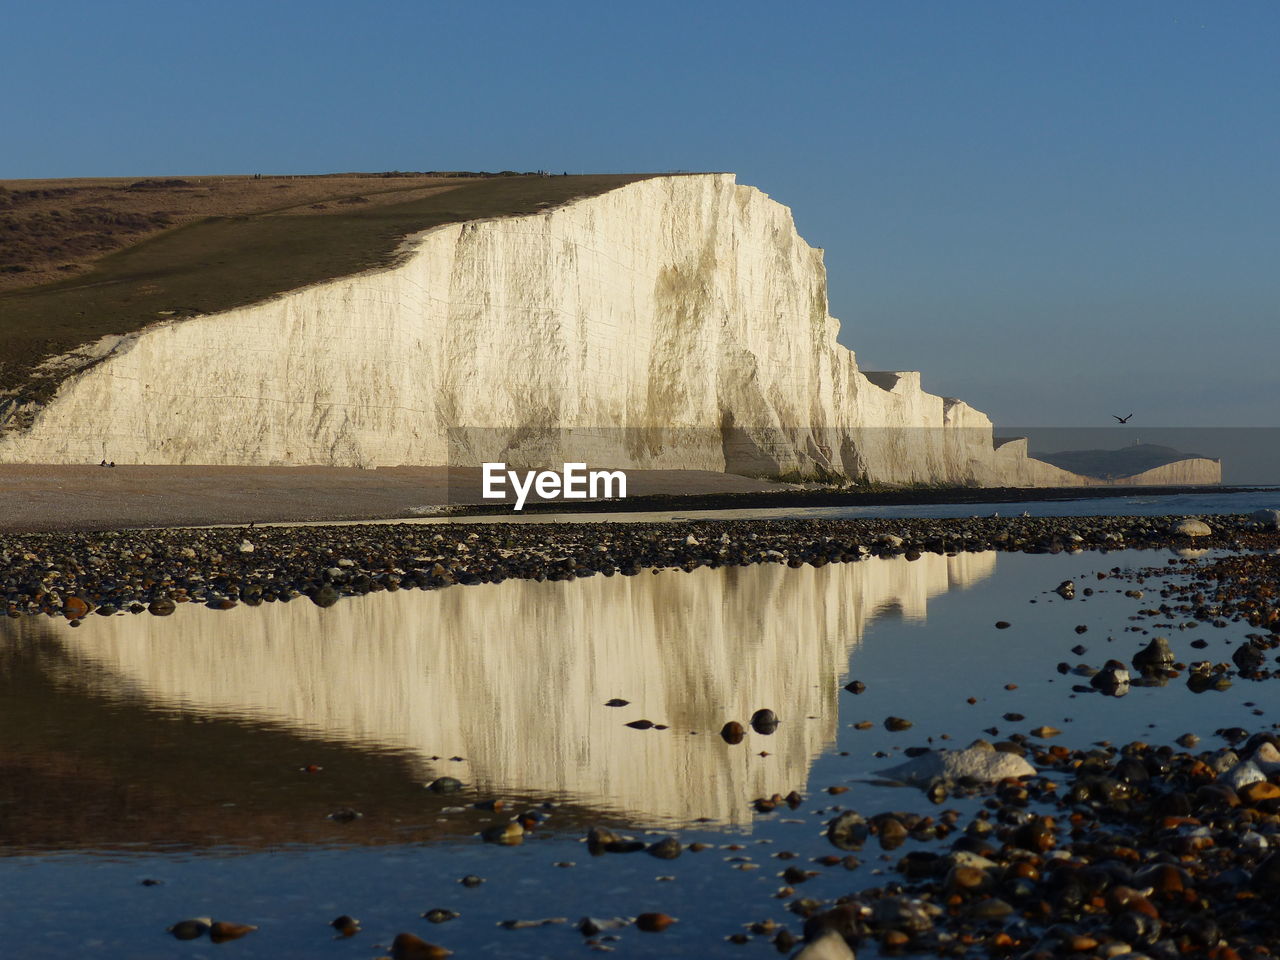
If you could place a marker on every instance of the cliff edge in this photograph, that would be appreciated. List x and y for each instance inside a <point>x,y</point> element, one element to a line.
<point>673,322</point>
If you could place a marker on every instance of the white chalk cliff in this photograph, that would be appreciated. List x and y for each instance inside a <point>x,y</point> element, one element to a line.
<point>676,322</point>
<point>513,677</point>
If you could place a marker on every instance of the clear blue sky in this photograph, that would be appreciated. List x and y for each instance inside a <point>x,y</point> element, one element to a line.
<point>1056,210</point>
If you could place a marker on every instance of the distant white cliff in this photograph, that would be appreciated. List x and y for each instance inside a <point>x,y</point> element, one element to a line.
<point>677,322</point>
<point>514,677</point>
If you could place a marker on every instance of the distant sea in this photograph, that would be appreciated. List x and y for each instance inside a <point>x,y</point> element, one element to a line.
<point>1206,501</point>
<point>1181,504</point>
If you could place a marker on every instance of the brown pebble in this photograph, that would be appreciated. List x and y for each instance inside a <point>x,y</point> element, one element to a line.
<point>654,922</point>
<point>222,931</point>
<point>507,834</point>
<point>1123,899</point>
<point>1254,793</point>
<point>190,929</point>
<point>408,946</point>
<point>346,926</point>
<point>892,833</point>
<point>967,878</point>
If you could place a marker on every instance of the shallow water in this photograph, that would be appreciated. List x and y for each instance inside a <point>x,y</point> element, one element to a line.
<point>1139,505</point>
<point>178,749</point>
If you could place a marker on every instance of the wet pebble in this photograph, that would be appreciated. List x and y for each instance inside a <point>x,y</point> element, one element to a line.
<point>409,946</point>
<point>654,922</point>
<point>221,931</point>
<point>190,929</point>
<point>445,785</point>
<point>764,721</point>
<point>347,926</point>
<point>668,848</point>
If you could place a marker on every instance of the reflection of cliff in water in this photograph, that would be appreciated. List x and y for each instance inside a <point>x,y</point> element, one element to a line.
<point>513,677</point>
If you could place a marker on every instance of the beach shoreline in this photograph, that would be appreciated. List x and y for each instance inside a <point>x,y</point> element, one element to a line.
<point>48,498</point>
<point>72,574</point>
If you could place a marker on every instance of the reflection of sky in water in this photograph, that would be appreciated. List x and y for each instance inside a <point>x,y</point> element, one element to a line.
<point>919,668</point>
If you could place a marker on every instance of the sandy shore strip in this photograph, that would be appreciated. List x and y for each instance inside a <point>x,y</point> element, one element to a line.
<point>42,497</point>
<point>48,498</point>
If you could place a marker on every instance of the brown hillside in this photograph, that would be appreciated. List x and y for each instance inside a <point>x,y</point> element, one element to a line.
<point>131,252</point>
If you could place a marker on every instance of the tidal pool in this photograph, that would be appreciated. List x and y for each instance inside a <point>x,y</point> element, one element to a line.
<point>209,752</point>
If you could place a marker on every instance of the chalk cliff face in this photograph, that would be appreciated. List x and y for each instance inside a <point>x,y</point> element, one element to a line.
<point>427,673</point>
<point>1191,471</point>
<point>677,322</point>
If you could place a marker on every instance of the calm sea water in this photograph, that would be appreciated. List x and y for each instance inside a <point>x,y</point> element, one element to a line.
<point>208,751</point>
<point>1182,504</point>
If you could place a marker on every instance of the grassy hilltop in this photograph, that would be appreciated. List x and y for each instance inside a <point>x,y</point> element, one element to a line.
<point>80,259</point>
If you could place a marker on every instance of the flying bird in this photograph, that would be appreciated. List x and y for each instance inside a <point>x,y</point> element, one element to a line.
<point>1124,419</point>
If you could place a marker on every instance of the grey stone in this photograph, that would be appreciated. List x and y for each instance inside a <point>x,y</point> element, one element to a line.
<point>979,762</point>
<point>829,946</point>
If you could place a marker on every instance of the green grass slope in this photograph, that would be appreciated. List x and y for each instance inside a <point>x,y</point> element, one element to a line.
<point>225,262</point>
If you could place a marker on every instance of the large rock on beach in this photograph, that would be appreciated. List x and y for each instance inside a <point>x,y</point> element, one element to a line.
<point>1269,518</point>
<point>1154,656</point>
<point>980,762</point>
<point>1243,774</point>
<point>1191,528</point>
